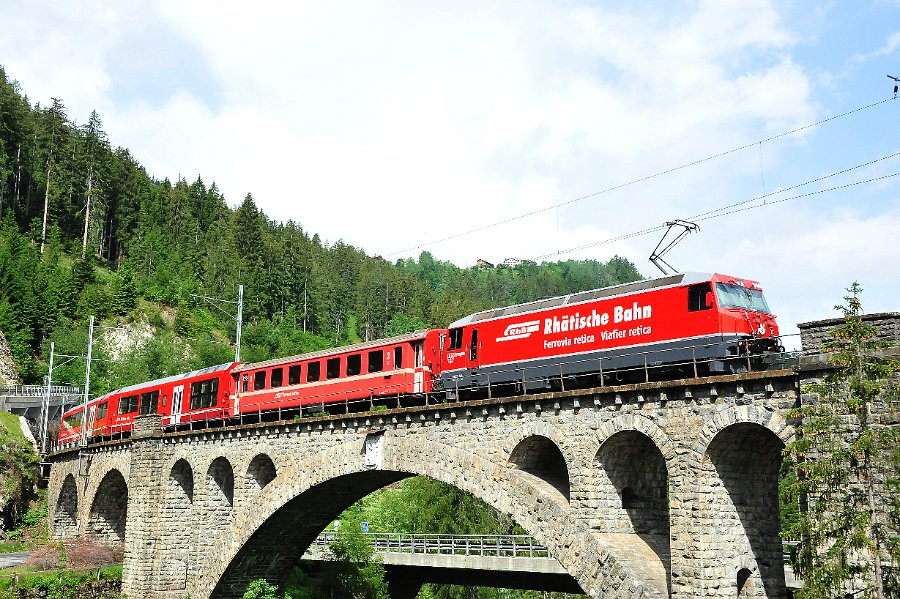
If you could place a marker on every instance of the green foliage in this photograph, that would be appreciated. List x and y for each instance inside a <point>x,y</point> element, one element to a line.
<point>299,586</point>
<point>260,589</point>
<point>849,531</point>
<point>124,297</point>
<point>19,465</point>
<point>63,584</point>
<point>425,505</point>
<point>403,323</point>
<point>352,570</point>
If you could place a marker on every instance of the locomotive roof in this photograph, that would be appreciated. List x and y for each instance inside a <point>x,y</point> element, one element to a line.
<point>420,334</point>
<point>584,296</point>
<point>176,377</point>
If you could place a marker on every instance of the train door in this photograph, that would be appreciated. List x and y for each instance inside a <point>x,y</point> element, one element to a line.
<point>474,350</point>
<point>701,304</point>
<point>92,416</point>
<point>418,383</point>
<point>177,396</point>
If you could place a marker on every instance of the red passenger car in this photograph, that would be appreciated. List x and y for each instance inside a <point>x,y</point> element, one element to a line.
<point>351,376</point>
<point>203,394</point>
<point>712,321</point>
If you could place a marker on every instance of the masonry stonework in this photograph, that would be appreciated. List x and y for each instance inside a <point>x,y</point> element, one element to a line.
<point>644,491</point>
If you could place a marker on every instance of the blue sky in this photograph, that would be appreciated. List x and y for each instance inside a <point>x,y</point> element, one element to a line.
<point>391,125</point>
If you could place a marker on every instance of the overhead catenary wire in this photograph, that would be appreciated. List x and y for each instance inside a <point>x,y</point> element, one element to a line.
<point>710,216</point>
<point>642,179</point>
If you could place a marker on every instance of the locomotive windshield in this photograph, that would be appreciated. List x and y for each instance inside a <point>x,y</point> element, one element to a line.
<point>733,296</point>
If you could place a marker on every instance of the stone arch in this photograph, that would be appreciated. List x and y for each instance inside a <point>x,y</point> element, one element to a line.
<point>181,482</point>
<point>261,471</point>
<point>542,460</point>
<point>109,509</point>
<point>632,480</point>
<point>641,424</point>
<point>744,583</point>
<point>738,477</point>
<point>220,483</point>
<point>632,492</point>
<point>217,507</point>
<point>285,518</point>
<point>65,518</point>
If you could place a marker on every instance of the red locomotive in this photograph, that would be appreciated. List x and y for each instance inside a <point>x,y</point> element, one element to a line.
<point>685,324</point>
<point>688,323</point>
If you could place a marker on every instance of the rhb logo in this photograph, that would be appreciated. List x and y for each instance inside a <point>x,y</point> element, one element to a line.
<point>520,330</point>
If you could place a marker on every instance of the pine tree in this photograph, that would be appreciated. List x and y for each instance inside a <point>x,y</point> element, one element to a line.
<point>125,294</point>
<point>846,464</point>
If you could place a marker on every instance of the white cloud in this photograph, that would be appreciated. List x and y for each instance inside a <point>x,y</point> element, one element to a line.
<point>890,46</point>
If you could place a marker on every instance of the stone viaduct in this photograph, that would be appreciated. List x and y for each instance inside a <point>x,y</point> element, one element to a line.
<point>650,490</point>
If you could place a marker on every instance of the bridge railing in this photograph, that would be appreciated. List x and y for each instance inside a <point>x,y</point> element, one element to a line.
<point>38,390</point>
<point>435,544</point>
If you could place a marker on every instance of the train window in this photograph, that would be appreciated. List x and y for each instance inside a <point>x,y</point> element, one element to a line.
<point>473,348</point>
<point>456,339</point>
<point>697,297</point>
<point>294,375</point>
<point>148,402</point>
<point>398,357</point>
<point>203,393</point>
<point>102,410</point>
<point>128,404</point>
<point>72,420</point>
<point>245,382</point>
<point>277,377</point>
<point>354,364</point>
<point>420,354</point>
<point>376,361</point>
<point>313,372</point>
<point>259,380</point>
<point>332,368</point>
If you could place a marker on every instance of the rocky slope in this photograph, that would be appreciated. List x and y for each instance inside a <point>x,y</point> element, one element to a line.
<point>8,373</point>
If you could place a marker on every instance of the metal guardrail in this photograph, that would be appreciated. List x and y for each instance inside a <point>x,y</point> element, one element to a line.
<point>38,390</point>
<point>434,544</point>
<point>478,545</point>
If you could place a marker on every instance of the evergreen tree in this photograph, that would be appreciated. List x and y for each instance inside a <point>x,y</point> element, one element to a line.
<point>848,531</point>
<point>125,294</point>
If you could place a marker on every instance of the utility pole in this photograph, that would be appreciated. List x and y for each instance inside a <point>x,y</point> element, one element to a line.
<point>45,405</point>
<point>87,385</point>
<point>240,314</point>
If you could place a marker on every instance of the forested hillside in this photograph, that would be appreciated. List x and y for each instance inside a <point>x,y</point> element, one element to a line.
<point>84,229</point>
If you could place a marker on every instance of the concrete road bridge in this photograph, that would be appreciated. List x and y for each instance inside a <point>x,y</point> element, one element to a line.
<point>660,489</point>
<point>26,400</point>
<point>504,561</point>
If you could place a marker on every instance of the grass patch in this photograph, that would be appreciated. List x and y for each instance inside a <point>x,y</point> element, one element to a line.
<point>58,583</point>
<point>14,546</point>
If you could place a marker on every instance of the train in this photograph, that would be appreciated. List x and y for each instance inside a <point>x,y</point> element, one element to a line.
<point>681,325</point>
